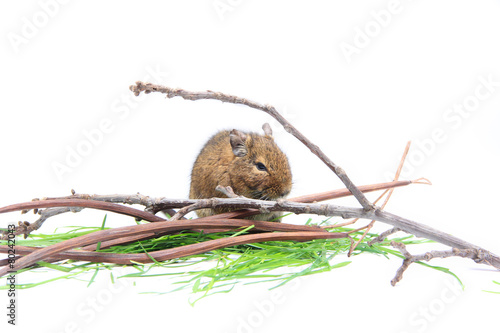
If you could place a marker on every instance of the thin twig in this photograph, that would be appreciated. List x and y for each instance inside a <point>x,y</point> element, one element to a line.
<point>148,202</point>
<point>228,191</point>
<point>50,212</point>
<point>340,193</point>
<point>380,238</point>
<point>74,205</point>
<point>202,203</point>
<point>386,200</point>
<point>365,228</point>
<point>475,254</point>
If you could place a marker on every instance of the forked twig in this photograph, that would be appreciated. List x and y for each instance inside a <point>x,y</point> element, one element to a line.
<point>475,254</point>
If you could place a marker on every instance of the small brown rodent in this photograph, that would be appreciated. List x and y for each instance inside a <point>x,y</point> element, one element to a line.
<point>252,164</point>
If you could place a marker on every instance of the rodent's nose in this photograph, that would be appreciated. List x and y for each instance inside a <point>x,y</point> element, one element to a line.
<point>285,193</point>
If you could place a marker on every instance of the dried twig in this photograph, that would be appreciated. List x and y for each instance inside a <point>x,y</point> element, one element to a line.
<point>380,238</point>
<point>107,206</point>
<point>340,193</point>
<point>44,215</point>
<point>386,200</point>
<point>201,203</point>
<point>71,204</point>
<point>228,191</point>
<point>475,254</point>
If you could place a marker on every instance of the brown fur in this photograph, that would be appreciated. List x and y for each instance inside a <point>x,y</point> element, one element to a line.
<point>230,158</point>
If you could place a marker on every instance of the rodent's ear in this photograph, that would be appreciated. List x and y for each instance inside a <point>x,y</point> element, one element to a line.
<point>267,129</point>
<point>237,140</point>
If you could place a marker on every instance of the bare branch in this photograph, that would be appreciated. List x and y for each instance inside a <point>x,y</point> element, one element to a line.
<point>201,203</point>
<point>478,255</point>
<point>74,205</point>
<point>50,212</point>
<point>380,238</point>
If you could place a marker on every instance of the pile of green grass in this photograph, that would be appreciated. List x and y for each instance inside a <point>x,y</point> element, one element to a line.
<point>242,264</point>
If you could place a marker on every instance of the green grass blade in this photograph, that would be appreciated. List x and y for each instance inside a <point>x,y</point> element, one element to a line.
<point>54,266</point>
<point>102,228</point>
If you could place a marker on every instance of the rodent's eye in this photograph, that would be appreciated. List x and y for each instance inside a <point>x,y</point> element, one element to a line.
<point>260,166</point>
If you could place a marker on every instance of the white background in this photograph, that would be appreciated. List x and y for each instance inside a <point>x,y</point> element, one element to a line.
<point>66,68</point>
